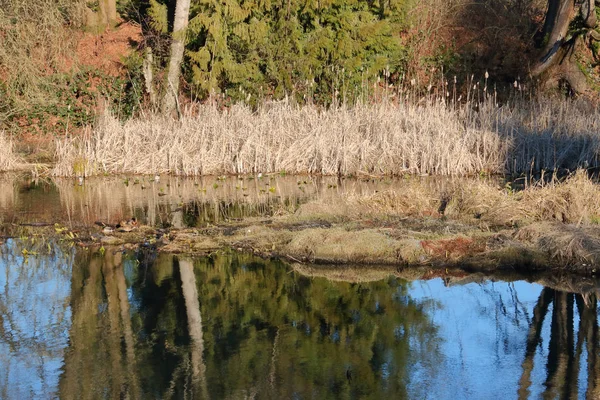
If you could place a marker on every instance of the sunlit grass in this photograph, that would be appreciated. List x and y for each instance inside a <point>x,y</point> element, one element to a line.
<point>8,158</point>
<point>427,136</point>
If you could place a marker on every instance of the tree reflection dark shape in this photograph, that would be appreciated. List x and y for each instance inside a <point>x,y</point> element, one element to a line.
<point>95,364</point>
<point>565,349</point>
<point>232,326</point>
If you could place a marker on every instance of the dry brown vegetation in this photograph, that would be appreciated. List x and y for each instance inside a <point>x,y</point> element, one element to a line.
<point>417,137</point>
<point>381,139</point>
<point>8,159</point>
<point>484,202</point>
<point>35,44</point>
<point>566,243</point>
<point>484,224</point>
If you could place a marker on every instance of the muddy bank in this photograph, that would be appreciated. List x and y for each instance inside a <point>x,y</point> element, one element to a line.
<point>407,245</point>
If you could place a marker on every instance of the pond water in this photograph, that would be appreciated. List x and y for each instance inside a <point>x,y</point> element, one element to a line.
<point>178,202</point>
<point>82,323</point>
<point>101,323</point>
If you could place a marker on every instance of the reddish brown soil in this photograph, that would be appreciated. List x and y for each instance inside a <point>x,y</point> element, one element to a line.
<point>104,52</point>
<point>452,248</point>
<point>107,50</point>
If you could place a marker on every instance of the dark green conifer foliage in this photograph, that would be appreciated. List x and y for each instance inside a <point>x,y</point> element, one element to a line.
<point>323,50</point>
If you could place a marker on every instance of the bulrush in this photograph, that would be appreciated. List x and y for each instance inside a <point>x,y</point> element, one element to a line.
<point>419,137</point>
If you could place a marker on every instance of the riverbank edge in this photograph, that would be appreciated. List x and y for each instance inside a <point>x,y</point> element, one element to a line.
<point>400,244</point>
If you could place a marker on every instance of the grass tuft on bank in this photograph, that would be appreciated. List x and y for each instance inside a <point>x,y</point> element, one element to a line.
<point>482,202</point>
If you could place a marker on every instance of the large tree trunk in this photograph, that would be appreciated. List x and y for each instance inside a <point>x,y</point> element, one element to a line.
<point>556,25</point>
<point>182,10</point>
<point>558,48</point>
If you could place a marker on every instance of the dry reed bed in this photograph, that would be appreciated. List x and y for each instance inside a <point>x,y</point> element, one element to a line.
<point>380,139</point>
<point>8,159</point>
<point>425,138</point>
<point>576,200</point>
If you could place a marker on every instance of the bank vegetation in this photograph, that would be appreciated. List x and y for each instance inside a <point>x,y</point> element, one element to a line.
<point>393,136</point>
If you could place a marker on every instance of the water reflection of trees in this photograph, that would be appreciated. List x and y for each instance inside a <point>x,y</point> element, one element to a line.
<point>100,361</point>
<point>290,336</point>
<point>231,326</point>
<point>34,317</point>
<point>573,339</point>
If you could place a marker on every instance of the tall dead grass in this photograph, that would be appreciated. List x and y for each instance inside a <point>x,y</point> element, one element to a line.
<point>420,137</point>
<point>36,41</point>
<point>378,139</point>
<point>575,200</point>
<point>8,159</point>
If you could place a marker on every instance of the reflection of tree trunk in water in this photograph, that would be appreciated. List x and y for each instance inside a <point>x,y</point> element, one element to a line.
<point>114,316</point>
<point>94,361</point>
<point>586,319</point>
<point>273,359</point>
<point>79,360</point>
<point>192,306</point>
<point>560,356</point>
<point>177,220</point>
<point>533,338</point>
<point>593,362</point>
<point>127,330</point>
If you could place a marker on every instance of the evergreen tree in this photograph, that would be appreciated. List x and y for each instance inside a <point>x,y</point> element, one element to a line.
<point>322,49</point>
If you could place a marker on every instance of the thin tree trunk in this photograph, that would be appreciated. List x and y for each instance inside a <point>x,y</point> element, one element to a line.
<point>148,69</point>
<point>589,14</point>
<point>105,16</point>
<point>182,10</point>
<point>102,13</point>
<point>111,12</point>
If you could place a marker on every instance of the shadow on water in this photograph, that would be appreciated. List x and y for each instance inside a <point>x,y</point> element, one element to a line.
<point>81,324</point>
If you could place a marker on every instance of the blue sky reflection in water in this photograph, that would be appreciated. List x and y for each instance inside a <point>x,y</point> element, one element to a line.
<point>79,324</point>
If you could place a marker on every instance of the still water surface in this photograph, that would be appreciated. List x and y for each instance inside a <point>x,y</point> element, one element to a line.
<point>180,202</point>
<point>78,323</point>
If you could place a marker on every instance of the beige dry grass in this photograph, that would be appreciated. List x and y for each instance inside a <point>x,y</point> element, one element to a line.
<point>579,246</point>
<point>338,245</point>
<point>425,137</point>
<point>377,139</point>
<point>8,159</point>
<point>575,200</point>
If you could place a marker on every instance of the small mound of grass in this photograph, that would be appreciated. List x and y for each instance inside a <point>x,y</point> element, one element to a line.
<point>338,245</point>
